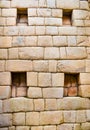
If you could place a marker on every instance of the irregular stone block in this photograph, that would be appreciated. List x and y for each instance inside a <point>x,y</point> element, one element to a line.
<point>32,78</point>
<point>5,42</point>
<point>5,92</point>
<point>51,104</point>
<point>5,78</point>
<point>69,116</point>
<point>45,41</point>
<point>84,90</point>
<point>80,116</point>
<point>59,41</point>
<point>85,126</point>
<point>39,104</point>
<point>18,119</point>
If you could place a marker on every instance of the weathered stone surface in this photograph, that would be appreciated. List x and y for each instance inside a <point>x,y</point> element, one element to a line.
<point>9,12</point>
<point>57,13</point>
<point>87,65</point>
<point>39,104</point>
<point>13,53</point>
<point>5,120</point>
<point>51,104</point>
<point>67,30</point>
<point>85,126</point>
<point>84,90</point>
<point>31,41</point>
<point>50,127</point>
<point>18,119</point>
<point>22,127</point>
<point>45,41</point>
<point>80,116</point>
<point>52,92</point>
<point>84,78</point>
<point>53,21</point>
<point>51,30</point>
<point>65,127</point>
<point>5,92</point>
<point>32,118</point>
<point>5,42</point>
<point>2,65</point>
<point>44,12</point>
<point>59,41</point>
<point>32,78</point>
<point>50,118</point>
<point>34,92</point>
<point>18,65</point>
<point>1,106</point>
<point>4,4</point>
<point>69,116</point>
<point>12,30</point>
<point>18,41</point>
<point>72,66</point>
<point>40,30</point>
<point>5,78</point>
<point>37,128</point>
<point>88,115</point>
<point>52,65</point>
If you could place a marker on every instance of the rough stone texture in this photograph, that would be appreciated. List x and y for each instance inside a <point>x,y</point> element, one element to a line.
<point>31,79</point>
<point>17,120</point>
<point>84,90</point>
<point>5,78</point>
<point>5,92</point>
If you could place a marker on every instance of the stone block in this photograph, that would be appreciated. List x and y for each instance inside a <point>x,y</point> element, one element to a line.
<point>52,65</point>
<point>76,53</point>
<point>12,30</point>
<point>2,65</point>
<point>84,78</point>
<point>70,4</point>
<point>63,54</point>
<point>13,53</point>
<point>37,128</point>
<point>18,65</point>
<point>1,107</point>
<point>4,4</point>
<point>5,92</point>
<point>59,41</point>
<point>65,127</point>
<point>73,103</point>
<point>35,21</point>
<point>72,66</point>
<point>81,31</point>
<point>78,23</point>
<point>85,126</point>
<point>1,32</point>
<point>4,128</point>
<point>57,13</point>
<point>82,41</point>
<point>32,118</point>
<point>43,12</point>
<point>26,31</point>
<point>88,66</point>
<point>51,104</point>
<point>3,54</point>
<point>32,12</point>
<point>5,78</point>
<point>45,41</point>
<point>12,128</point>
<point>53,21</point>
<point>5,120</point>
<point>50,127</point>
<point>11,21</point>
<point>51,3</point>
<point>32,78</point>
<point>51,118</point>
<point>22,128</point>
<point>51,53</point>
<point>39,104</point>
<point>9,12</point>
<point>18,41</point>
<point>2,21</point>
<point>77,127</point>
<point>40,30</point>
<point>31,53</point>
<point>58,79</point>
<point>5,42</point>
<point>31,41</point>
<point>41,66</point>
<point>34,92</point>
<point>81,116</point>
<point>84,5</point>
<point>42,3</point>
<point>51,30</point>
<point>69,116</point>
<point>44,79</point>
<point>88,115</point>
<point>67,30</point>
<point>84,90</point>
<point>87,31</point>
<point>71,40</point>
<point>19,104</point>
<point>18,119</point>
<point>53,93</point>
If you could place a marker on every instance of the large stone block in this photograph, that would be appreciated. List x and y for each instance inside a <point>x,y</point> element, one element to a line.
<point>13,53</point>
<point>43,12</point>
<point>3,54</point>
<point>44,79</point>
<point>40,30</point>
<point>5,92</point>
<point>18,65</point>
<point>37,128</point>
<point>31,53</point>
<point>59,41</point>
<point>51,30</point>
<point>18,119</point>
<point>72,66</point>
<point>57,13</point>
<point>5,78</point>
<point>11,31</point>
<point>11,21</point>
<point>5,42</point>
<point>58,79</point>
<point>80,116</point>
<point>5,120</point>
<point>35,21</point>
<point>51,3</point>
<point>51,104</point>
<point>32,78</point>
<point>41,65</point>
<point>69,116</point>
<point>31,41</point>
<point>88,115</point>
<point>67,30</point>
<point>34,92</point>
<point>9,12</point>
<point>87,65</point>
<point>18,41</point>
<point>39,104</point>
<point>84,78</point>
<point>22,128</point>
<point>70,4</point>
<point>53,93</point>
<point>26,31</point>
<point>85,126</point>
<point>4,4</point>
<point>32,12</point>
<point>84,90</point>
<point>32,118</point>
<point>50,127</point>
<point>65,127</point>
<point>52,65</point>
<point>51,53</point>
<point>2,65</point>
<point>53,21</point>
<point>51,118</point>
<point>1,106</point>
<point>71,40</point>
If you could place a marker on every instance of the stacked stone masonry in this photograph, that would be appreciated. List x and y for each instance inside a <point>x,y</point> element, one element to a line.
<point>44,65</point>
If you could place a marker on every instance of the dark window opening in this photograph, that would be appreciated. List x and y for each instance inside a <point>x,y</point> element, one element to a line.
<point>19,88</point>
<point>22,16</point>
<point>71,83</point>
<point>67,17</point>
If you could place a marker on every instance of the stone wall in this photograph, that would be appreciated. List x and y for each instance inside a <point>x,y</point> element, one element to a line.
<point>44,65</point>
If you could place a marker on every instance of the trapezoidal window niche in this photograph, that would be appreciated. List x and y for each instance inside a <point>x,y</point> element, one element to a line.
<point>67,17</point>
<point>22,16</point>
<point>71,83</point>
<point>19,88</point>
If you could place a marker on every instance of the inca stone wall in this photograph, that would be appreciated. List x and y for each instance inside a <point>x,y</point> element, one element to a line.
<point>44,65</point>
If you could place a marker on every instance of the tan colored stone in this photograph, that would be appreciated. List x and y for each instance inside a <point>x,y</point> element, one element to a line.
<point>84,90</point>
<point>5,120</point>
<point>2,21</point>
<point>44,79</point>
<point>18,119</point>
<point>4,4</point>
<point>51,30</point>
<point>63,54</point>
<point>39,104</point>
<point>51,53</point>
<point>9,12</point>
<point>12,128</point>
<point>40,30</point>
<point>88,115</point>
<point>85,126</point>
<point>32,118</point>
<point>58,79</point>
<point>57,13</point>
<point>53,21</point>
<point>34,92</point>
<point>1,110</point>
<point>13,53</point>
<point>67,30</point>
<point>51,104</point>
<point>50,127</point>
<point>22,128</point>
<point>18,65</point>
<point>81,31</point>
<point>35,21</point>
<point>50,118</point>
<point>2,65</point>
<point>71,40</point>
<point>5,42</point>
<point>37,128</point>
<point>52,92</point>
<point>18,41</point>
<point>32,12</point>
<point>4,128</point>
<point>59,41</point>
<point>43,12</point>
<point>5,78</point>
<point>42,3</point>
<point>83,41</point>
<point>72,66</point>
<point>31,41</point>
<point>11,21</point>
<point>52,65</point>
<point>69,116</point>
<point>5,92</point>
<point>26,31</point>
<point>51,3</point>
<point>77,127</point>
<point>78,23</point>
<point>1,32</point>
<point>80,116</point>
<point>65,127</point>
<point>12,30</point>
<point>32,78</point>
<point>3,54</point>
<point>88,66</point>
<point>84,5</point>
<point>40,66</point>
